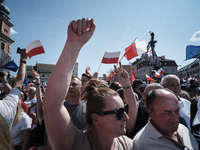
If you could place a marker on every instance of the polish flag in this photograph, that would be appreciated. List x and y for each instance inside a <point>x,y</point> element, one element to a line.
<point>160,71</point>
<point>34,48</point>
<point>196,77</point>
<point>88,71</point>
<point>135,49</point>
<point>110,58</point>
<point>133,75</point>
<point>112,73</point>
<point>157,74</point>
<point>149,79</point>
<point>34,81</point>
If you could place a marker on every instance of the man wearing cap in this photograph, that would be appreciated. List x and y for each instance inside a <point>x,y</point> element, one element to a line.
<point>136,84</point>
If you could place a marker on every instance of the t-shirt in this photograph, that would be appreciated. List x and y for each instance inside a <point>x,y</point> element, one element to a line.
<point>77,114</point>
<point>23,123</point>
<point>8,106</point>
<point>82,142</point>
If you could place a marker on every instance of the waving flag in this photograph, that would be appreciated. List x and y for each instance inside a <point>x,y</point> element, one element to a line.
<point>110,58</point>
<point>192,52</point>
<point>88,71</point>
<point>11,66</point>
<point>34,48</point>
<point>159,72</point>
<point>149,79</point>
<point>135,49</point>
<point>133,75</point>
<point>148,55</point>
<point>112,73</point>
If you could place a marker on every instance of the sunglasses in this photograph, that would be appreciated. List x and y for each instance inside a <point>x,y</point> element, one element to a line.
<point>119,112</point>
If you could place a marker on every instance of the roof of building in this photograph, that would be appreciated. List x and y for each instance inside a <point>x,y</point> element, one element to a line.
<point>191,65</point>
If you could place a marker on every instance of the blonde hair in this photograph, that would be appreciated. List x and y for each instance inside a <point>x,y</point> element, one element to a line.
<point>5,135</point>
<point>18,114</point>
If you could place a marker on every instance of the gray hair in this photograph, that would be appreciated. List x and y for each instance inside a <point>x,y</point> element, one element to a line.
<point>167,77</point>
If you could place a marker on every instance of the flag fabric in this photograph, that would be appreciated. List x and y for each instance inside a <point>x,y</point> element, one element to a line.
<point>133,75</point>
<point>88,71</point>
<point>192,52</point>
<point>11,66</point>
<point>135,49</point>
<point>149,79</point>
<point>196,77</point>
<point>112,73</point>
<point>148,55</point>
<point>152,57</point>
<point>161,71</point>
<point>25,83</point>
<point>157,74</point>
<point>34,48</point>
<point>156,61</point>
<point>110,58</point>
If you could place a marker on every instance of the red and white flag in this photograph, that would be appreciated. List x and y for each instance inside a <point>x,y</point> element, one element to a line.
<point>133,75</point>
<point>149,79</point>
<point>88,71</point>
<point>34,48</point>
<point>110,58</point>
<point>161,71</point>
<point>196,77</point>
<point>112,73</point>
<point>135,49</point>
<point>157,74</point>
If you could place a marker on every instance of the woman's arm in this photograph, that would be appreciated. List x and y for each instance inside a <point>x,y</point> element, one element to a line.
<point>26,137</point>
<point>60,129</point>
<point>129,96</point>
<point>38,96</point>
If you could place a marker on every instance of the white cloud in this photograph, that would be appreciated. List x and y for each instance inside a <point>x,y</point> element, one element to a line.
<point>196,36</point>
<point>59,20</point>
<point>12,31</point>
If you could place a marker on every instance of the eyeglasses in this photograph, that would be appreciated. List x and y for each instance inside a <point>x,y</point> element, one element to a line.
<point>119,111</point>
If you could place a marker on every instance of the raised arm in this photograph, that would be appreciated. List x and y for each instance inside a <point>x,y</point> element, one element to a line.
<point>5,82</point>
<point>39,111</point>
<point>60,129</point>
<point>22,70</point>
<point>129,96</point>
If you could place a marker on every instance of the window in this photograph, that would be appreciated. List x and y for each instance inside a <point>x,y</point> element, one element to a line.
<point>172,63</point>
<point>165,63</point>
<point>2,46</point>
<point>165,70</point>
<point>172,69</point>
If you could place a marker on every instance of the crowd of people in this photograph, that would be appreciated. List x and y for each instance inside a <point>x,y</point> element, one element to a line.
<point>91,114</point>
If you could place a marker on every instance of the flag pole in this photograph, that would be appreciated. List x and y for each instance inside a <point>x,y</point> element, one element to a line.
<point>31,63</point>
<point>99,68</point>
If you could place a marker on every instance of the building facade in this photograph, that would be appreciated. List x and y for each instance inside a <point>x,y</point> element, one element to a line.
<point>190,70</point>
<point>5,40</point>
<point>143,67</point>
<point>44,70</point>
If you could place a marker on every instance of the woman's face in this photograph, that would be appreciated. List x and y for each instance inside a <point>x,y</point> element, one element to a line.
<point>110,123</point>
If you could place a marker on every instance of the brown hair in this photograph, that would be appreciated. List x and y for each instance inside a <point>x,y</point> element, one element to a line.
<point>95,93</point>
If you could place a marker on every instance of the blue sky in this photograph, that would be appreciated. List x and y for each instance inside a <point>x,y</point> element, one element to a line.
<point>175,23</point>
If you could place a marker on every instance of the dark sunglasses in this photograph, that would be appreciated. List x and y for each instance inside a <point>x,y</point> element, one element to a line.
<point>119,111</point>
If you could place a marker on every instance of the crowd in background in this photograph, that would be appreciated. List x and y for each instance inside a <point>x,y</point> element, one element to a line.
<point>87,113</point>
